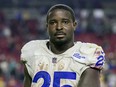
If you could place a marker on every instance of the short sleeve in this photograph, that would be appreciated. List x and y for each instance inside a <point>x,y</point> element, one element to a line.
<point>27,56</point>
<point>98,58</point>
<point>91,55</point>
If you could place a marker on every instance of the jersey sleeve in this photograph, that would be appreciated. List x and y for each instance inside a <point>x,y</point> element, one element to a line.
<point>92,55</point>
<point>27,51</point>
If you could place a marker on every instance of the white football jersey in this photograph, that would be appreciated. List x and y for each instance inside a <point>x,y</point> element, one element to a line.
<point>59,70</point>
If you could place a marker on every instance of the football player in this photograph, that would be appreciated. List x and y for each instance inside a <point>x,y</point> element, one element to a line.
<point>59,61</point>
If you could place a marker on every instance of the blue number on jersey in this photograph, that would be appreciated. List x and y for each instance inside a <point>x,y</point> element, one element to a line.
<point>45,75</point>
<point>56,79</point>
<point>63,75</point>
<point>100,60</point>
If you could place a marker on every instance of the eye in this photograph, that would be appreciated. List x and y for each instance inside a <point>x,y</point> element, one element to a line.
<point>52,22</point>
<point>65,21</point>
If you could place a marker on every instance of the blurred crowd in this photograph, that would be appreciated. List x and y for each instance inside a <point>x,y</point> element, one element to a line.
<point>18,26</point>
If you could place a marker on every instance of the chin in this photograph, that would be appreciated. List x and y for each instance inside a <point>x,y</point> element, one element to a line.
<point>60,41</point>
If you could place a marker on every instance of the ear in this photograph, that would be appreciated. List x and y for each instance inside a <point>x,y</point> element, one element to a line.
<point>75,24</point>
<point>46,25</point>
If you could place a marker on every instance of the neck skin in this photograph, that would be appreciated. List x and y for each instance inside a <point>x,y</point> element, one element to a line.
<point>58,49</point>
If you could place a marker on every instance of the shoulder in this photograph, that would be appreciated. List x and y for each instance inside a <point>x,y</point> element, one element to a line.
<point>87,48</point>
<point>90,54</point>
<point>88,45</point>
<point>29,48</point>
<point>33,44</point>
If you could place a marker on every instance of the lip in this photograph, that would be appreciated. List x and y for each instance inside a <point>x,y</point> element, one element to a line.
<point>60,34</point>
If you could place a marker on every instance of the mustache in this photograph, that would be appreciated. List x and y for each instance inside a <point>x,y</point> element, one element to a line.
<point>59,32</point>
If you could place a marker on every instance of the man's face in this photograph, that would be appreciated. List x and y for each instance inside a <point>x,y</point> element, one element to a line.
<point>60,26</point>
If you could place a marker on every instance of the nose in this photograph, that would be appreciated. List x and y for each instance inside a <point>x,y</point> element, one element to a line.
<point>59,26</point>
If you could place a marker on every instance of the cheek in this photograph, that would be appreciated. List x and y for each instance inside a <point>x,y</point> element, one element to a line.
<point>70,33</point>
<point>69,29</point>
<point>51,28</point>
<point>50,31</point>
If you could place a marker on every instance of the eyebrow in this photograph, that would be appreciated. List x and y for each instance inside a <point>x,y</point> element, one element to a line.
<point>51,20</point>
<point>65,19</point>
<point>61,19</point>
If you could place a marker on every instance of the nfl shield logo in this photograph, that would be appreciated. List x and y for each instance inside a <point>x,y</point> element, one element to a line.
<point>54,60</point>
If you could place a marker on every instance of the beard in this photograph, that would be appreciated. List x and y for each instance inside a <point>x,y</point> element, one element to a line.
<point>60,41</point>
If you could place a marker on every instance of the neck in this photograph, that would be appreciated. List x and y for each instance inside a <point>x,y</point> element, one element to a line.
<point>58,49</point>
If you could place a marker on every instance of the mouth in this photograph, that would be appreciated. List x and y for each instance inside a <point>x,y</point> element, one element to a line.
<point>60,34</point>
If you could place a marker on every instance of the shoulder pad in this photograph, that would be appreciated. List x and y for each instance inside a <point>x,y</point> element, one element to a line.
<point>90,54</point>
<point>27,50</point>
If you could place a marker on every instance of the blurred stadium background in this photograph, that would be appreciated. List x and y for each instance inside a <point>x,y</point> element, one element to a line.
<point>24,20</point>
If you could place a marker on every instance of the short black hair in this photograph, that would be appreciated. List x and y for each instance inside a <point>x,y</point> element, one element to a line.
<point>61,6</point>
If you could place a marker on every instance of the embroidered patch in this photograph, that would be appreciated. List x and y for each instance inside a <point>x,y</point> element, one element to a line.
<point>79,56</point>
<point>54,60</point>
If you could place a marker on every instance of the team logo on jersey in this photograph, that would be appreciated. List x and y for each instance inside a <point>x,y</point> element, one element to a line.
<point>79,56</point>
<point>54,60</point>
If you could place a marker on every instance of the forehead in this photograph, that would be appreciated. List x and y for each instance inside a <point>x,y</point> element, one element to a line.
<point>59,13</point>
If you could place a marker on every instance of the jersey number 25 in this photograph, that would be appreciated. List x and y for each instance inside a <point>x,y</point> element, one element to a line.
<point>56,80</point>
